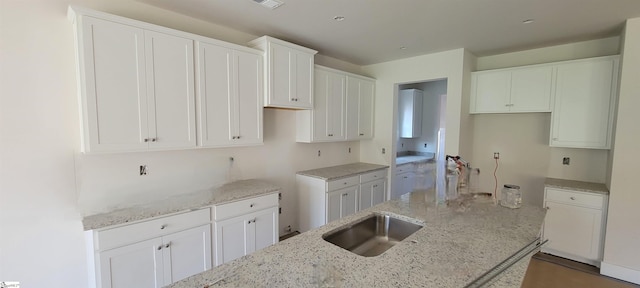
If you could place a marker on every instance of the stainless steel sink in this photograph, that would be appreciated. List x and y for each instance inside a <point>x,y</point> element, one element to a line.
<point>373,235</point>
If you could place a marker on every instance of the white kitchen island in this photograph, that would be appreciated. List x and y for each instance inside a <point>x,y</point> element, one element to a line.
<point>458,244</point>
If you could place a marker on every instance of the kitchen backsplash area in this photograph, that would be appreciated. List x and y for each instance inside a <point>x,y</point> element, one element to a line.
<point>110,181</point>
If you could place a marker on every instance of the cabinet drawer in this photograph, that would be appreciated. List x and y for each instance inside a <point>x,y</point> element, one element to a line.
<point>404,168</point>
<point>342,183</point>
<point>375,175</point>
<point>575,198</point>
<point>116,237</point>
<point>226,211</point>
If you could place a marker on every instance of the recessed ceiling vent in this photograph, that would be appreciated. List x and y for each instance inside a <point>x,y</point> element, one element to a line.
<point>271,4</point>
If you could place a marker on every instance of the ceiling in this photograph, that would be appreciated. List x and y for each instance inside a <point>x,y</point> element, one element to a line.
<point>374,31</point>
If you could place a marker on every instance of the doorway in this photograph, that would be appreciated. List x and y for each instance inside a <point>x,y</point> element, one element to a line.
<point>419,135</point>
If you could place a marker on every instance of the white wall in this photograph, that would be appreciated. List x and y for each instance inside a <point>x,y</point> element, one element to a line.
<point>523,139</point>
<point>621,251</point>
<point>46,185</point>
<point>565,52</point>
<point>444,65</point>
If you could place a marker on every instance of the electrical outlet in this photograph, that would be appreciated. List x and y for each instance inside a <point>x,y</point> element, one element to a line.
<point>279,195</point>
<point>143,170</point>
<point>280,210</point>
<point>566,161</point>
<point>496,155</point>
<point>349,149</point>
<point>384,151</point>
<point>318,153</point>
<point>425,145</point>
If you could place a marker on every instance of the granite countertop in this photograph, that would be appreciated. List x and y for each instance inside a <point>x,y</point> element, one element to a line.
<point>402,160</point>
<point>341,171</point>
<point>414,157</point>
<point>598,188</point>
<point>457,244</point>
<point>227,193</point>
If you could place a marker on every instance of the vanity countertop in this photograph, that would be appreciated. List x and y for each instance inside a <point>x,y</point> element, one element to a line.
<point>592,187</point>
<point>226,193</point>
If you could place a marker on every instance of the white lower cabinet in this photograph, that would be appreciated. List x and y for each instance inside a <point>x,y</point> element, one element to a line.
<point>170,251</point>
<point>322,201</point>
<point>341,203</point>
<point>575,225</point>
<point>244,227</point>
<point>405,180</point>
<point>134,265</point>
<point>372,193</point>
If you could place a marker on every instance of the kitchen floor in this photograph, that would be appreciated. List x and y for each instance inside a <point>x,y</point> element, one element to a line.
<point>554,272</point>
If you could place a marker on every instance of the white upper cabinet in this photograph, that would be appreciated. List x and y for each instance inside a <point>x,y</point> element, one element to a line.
<point>410,110</point>
<point>360,105</point>
<point>584,103</point>
<point>113,86</point>
<point>136,87</point>
<point>170,90</point>
<point>229,96</point>
<point>325,122</point>
<point>288,73</point>
<point>512,90</point>
<point>342,109</point>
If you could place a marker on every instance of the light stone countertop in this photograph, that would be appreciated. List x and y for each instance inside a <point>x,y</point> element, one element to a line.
<point>458,244</point>
<point>598,188</point>
<point>227,193</point>
<point>341,171</point>
<point>412,159</point>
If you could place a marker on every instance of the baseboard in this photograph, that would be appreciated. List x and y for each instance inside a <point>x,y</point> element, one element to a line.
<point>620,272</point>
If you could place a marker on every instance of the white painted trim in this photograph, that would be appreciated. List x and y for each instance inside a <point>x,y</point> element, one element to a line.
<point>619,272</point>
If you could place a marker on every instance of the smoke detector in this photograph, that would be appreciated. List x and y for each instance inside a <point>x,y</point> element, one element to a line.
<point>271,4</point>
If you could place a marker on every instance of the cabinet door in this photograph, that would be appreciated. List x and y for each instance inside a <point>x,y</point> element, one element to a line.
<point>405,183</point>
<point>186,253</point>
<point>410,113</point>
<point>135,265</point>
<point>280,78</point>
<point>114,97</point>
<point>342,202</point>
<point>264,227</point>
<point>359,115</point>
<point>303,73</point>
<point>248,102</point>
<point>573,229</point>
<point>215,95</point>
<point>490,92</point>
<point>231,239</point>
<point>328,112</point>
<point>583,104</point>
<point>320,113</point>
<point>170,86</point>
<point>372,193</point>
<point>531,90</point>
<point>365,111</point>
